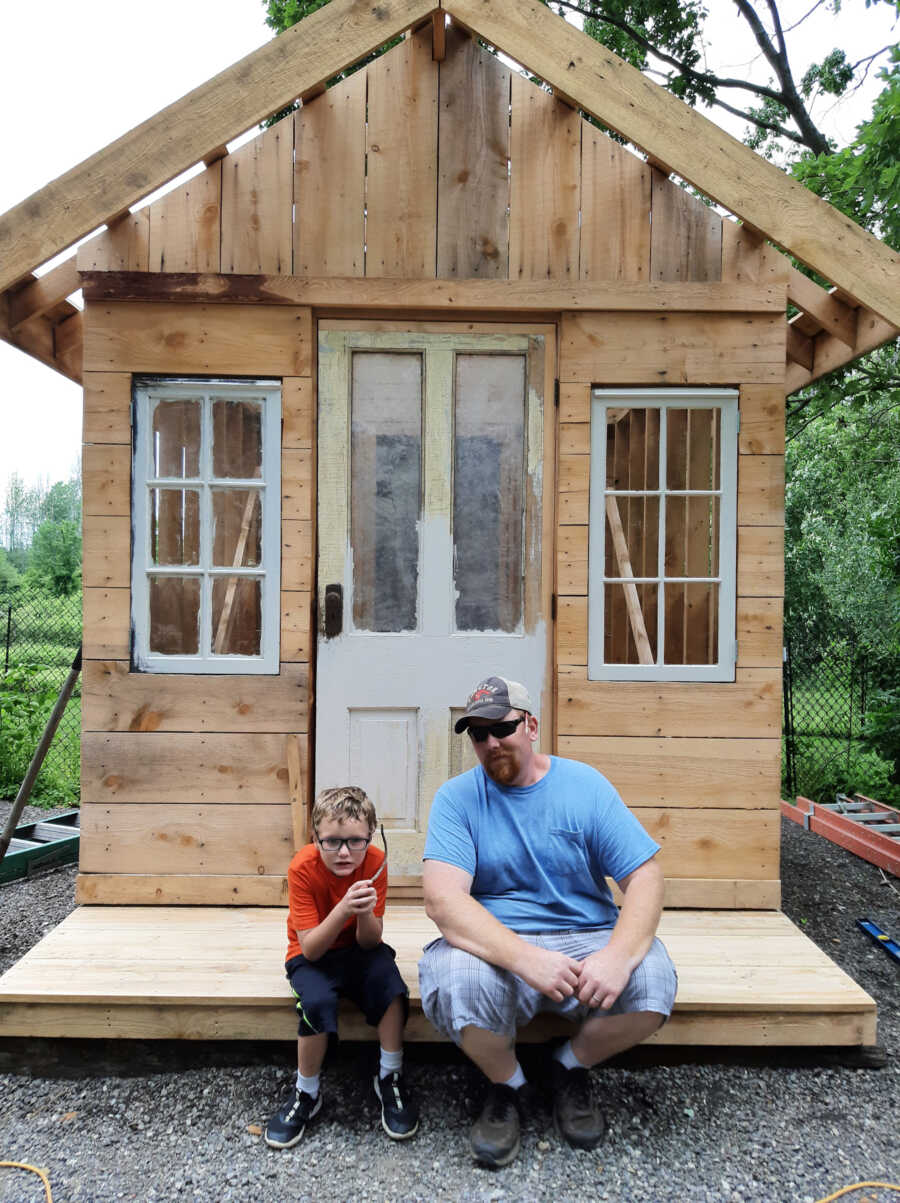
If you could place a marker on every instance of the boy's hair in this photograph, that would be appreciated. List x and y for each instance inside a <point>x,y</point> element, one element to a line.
<point>343,802</point>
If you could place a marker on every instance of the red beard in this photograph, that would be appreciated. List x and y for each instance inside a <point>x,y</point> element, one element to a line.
<point>502,767</point>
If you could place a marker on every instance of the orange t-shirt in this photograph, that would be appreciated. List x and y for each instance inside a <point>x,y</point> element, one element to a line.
<point>314,891</point>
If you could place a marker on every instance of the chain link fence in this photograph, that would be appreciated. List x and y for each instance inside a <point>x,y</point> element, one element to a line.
<point>39,636</point>
<point>838,701</point>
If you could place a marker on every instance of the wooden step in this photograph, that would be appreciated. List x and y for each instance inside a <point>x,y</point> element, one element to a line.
<point>745,978</point>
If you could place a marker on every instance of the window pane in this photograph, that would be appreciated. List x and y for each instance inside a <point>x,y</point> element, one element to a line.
<point>629,634</point>
<point>692,635</point>
<point>692,536</point>
<point>692,448</point>
<point>385,492</point>
<point>236,616</point>
<point>237,535</point>
<point>488,491</point>
<point>632,448</point>
<point>632,536</point>
<point>174,526</point>
<point>175,615</point>
<point>237,438</point>
<point>176,439</point>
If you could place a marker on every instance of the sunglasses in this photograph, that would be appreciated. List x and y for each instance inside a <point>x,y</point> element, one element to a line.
<point>498,730</point>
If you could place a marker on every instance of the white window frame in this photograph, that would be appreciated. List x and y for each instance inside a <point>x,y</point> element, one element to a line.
<point>664,399</point>
<point>148,394</point>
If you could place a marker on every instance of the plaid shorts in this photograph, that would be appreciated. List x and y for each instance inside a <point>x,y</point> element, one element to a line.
<point>460,989</point>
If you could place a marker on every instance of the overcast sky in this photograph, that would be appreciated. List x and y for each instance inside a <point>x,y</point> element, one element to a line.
<point>74,76</point>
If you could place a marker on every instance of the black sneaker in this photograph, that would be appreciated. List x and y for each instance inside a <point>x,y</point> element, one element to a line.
<point>399,1114</point>
<point>495,1134</point>
<point>576,1116</point>
<point>289,1122</point>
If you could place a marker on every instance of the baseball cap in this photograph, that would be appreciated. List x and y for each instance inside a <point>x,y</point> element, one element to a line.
<point>493,698</point>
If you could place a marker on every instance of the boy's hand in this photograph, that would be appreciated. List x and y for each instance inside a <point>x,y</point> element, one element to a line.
<point>360,899</point>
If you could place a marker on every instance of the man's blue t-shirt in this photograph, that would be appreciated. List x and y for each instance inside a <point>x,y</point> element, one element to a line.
<point>539,856</point>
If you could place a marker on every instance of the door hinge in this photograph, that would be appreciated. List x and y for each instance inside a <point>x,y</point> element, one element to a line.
<point>553,607</point>
<point>556,393</point>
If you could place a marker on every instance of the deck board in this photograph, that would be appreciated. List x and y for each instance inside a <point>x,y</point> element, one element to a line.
<point>745,977</point>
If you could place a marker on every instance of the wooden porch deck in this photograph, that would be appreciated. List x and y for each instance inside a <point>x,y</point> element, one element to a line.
<point>745,978</point>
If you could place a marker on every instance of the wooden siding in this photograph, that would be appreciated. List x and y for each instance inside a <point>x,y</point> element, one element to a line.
<point>414,168</point>
<point>711,801</point>
<point>185,779</point>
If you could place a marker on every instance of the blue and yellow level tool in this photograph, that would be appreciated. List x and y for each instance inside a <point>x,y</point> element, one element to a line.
<point>881,938</point>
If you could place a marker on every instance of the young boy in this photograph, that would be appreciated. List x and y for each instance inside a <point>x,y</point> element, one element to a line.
<point>336,902</point>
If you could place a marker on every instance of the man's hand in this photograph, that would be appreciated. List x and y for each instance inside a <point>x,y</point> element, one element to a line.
<point>602,978</point>
<point>553,973</point>
<point>360,899</point>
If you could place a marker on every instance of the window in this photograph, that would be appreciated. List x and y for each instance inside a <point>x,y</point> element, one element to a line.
<point>207,545</point>
<point>662,535</point>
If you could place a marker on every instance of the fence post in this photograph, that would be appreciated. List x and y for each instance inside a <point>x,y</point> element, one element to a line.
<point>787,691</point>
<point>8,636</point>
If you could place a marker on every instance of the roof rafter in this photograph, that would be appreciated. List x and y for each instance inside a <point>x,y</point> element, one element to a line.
<point>596,80</point>
<point>195,126</point>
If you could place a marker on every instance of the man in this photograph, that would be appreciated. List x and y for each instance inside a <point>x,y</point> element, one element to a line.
<point>516,859</point>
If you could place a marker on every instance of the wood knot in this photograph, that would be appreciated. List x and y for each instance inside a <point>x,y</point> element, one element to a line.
<point>145,719</point>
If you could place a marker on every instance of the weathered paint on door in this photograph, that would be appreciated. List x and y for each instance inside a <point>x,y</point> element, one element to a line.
<point>431,453</point>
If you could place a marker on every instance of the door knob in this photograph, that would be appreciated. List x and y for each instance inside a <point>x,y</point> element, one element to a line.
<point>334,610</point>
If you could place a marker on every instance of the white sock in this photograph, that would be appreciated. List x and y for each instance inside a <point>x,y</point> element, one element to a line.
<point>518,1079</point>
<point>390,1063</point>
<point>566,1055</point>
<point>309,1086</point>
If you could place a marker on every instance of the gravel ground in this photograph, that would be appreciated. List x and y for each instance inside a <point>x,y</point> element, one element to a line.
<point>151,1121</point>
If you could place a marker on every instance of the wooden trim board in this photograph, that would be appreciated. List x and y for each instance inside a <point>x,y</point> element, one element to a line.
<point>411,293</point>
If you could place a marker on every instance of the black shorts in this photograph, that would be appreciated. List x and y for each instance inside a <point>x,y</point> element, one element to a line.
<point>369,977</point>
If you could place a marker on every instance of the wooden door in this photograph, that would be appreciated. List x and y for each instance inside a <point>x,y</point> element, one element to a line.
<point>434,552</point>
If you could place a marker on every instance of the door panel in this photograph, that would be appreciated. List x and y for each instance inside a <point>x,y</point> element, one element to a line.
<point>432,454</point>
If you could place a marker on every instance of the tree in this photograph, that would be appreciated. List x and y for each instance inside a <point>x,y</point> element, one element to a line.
<point>55,561</point>
<point>863,179</point>
<point>842,511</point>
<point>9,574</point>
<point>665,38</point>
<point>15,514</point>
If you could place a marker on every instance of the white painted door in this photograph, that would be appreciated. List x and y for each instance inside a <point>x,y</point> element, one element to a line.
<point>431,574</point>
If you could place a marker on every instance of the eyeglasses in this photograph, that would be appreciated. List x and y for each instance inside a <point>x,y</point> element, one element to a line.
<point>498,730</point>
<point>355,843</point>
<point>333,843</point>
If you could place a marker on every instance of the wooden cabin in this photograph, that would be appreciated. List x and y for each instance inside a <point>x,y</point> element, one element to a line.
<point>432,378</point>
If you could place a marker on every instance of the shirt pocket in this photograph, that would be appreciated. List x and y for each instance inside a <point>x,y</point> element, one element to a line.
<point>567,853</point>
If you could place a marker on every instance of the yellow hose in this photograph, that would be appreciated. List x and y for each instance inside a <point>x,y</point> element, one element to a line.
<point>858,1186</point>
<point>21,1165</point>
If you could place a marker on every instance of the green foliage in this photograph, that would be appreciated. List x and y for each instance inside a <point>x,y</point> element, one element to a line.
<point>674,26</point>
<point>842,512</point>
<point>26,700</point>
<point>832,75</point>
<point>10,577</point>
<point>863,179</point>
<point>881,732</point>
<point>55,560</point>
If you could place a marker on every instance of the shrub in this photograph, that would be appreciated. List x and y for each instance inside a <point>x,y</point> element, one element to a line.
<point>26,700</point>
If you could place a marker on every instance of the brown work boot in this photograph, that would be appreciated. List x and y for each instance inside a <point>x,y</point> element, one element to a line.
<point>576,1116</point>
<point>495,1134</point>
